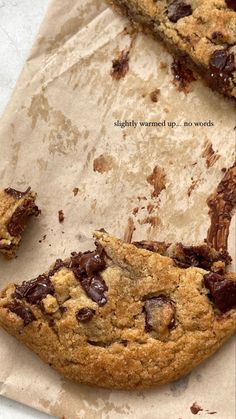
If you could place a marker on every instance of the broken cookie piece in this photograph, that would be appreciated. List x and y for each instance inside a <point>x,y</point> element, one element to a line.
<point>15,208</point>
<point>200,33</point>
<point>202,256</point>
<point>121,316</point>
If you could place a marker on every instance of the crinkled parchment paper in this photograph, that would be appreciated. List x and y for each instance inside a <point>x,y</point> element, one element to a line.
<point>57,134</point>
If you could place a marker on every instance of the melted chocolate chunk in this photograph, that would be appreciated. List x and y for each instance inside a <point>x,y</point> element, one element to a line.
<point>221,66</point>
<point>200,256</point>
<point>36,290</point>
<point>183,75</point>
<point>159,314</point>
<point>63,309</point>
<point>85,314</point>
<point>120,66</point>
<point>95,287</point>
<point>178,9</point>
<point>23,312</point>
<point>231,4</point>
<point>223,291</point>
<point>16,194</point>
<point>59,264</point>
<point>88,263</point>
<point>17,222</point>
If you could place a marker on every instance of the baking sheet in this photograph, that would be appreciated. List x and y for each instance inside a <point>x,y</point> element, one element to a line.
<point>62,130</point>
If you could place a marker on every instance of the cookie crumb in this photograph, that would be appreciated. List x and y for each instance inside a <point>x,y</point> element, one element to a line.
<point>162,65</point>
<point>61,216</point>
<point>135,211</point>
<point>75,191</point>
<point>155,95</point>
<point>195,408</point>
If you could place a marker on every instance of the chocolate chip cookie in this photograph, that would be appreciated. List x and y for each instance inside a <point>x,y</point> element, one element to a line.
<point>201,32</point>
<point>121,316</point>
<point>15,208</point>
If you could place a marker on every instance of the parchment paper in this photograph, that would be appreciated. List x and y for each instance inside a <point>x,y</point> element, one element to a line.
<point>59,123</point>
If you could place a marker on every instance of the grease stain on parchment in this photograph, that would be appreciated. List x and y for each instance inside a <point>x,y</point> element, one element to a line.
<point>177,388</point>
<point>209,154</point>
<point>91,403</point>
<point>62,134</point>
<point>157,179</point>
<point>104,163</point>
<point>39,109</point>
<point>68,29</point>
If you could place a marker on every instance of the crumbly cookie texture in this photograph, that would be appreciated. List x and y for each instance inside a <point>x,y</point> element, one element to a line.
<point>203,32</point>
<point>15,208</point>
<point>121,316</point>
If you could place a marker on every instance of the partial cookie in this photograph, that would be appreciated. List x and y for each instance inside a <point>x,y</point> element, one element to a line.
<point>201,32</point>
<point>15,208</point>
<point>120,316</point>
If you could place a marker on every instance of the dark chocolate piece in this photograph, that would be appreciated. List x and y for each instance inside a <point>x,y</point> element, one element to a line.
<point>183,75</point>
<point>231,4</point>
<point>178,9</point>
<point>223,291</point>
<point>221,66</point>
<point>200,256</point>
<point>95,287</point>
<point>17,222</point>
<point>36,290</point>
<point>222,204</point>
<point>85,314</point>
<point>23,312</point>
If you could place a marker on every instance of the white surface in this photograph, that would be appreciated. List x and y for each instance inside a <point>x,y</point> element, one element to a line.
<point>19,23</point>
<point>13,410</point>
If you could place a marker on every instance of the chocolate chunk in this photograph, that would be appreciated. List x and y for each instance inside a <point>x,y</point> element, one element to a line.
<point>36,290</point>
<point>63,309</point>
<point>95,287</point>
<point>231,4</point>
<point>178,9</point>
<point>201,256</point>
<point>195,409</point>
<point>85,314</point>
<point>120,66</point>
<point>221,66</point>
<point>61,216</point>
<point>159,314</point>
<point>23,312</point>
<point>223,291</point>
<point>17,222</point>
<point>16,194</point>
<point>88,263</point>
<point>59,264</point>
<point>183,75</point>
<point>218,60</point>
